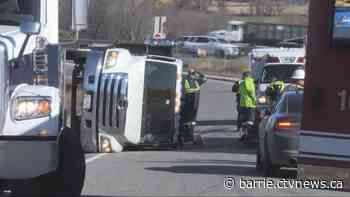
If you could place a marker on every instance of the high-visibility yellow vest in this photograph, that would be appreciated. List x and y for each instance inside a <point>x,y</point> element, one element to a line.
<point>279,84</point>
<point>247,93</point>
<point>191,87</point>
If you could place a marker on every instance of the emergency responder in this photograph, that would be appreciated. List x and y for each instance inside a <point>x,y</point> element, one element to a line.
<point>274,91</point>
<point>297,80</point>
<point>190,100</point>
<point>247,100</point>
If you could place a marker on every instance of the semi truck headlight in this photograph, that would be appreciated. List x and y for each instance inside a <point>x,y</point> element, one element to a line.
<point>25,108</point>
<point>262,99</point>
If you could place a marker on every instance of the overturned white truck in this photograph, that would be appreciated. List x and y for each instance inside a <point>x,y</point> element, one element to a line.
<point>130,100</point>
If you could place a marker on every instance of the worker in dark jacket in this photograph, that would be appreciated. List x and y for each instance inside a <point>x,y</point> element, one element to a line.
<point>190,102</point>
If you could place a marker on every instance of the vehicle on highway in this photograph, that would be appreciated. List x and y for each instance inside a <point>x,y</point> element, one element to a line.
<point>213,46</point>
<point>271,72</point>
<point>179,42</point>
<point>259,57</point>
<point>278,134</point>
<point>159,42</point>
<point>130,100</point>
<point>268,64</point>
<point>258,32</point>
<point>41,154</point>
<point>273,63</point>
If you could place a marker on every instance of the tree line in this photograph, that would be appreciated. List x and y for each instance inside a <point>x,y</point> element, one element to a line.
<point>132,20</point>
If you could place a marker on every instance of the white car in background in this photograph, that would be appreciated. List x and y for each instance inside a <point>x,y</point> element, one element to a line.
<point>213,46</point>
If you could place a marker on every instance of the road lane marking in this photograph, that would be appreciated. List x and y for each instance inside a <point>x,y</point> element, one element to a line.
<point>94,158</point>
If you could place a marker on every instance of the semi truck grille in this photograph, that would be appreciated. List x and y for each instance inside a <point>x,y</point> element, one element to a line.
<point>111,106</point>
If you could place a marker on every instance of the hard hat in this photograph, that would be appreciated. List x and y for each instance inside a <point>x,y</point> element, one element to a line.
<point>298,74</point>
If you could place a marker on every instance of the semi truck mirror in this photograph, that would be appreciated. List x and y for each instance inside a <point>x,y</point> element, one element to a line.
<point>30,28</point>
<point>79,15</point>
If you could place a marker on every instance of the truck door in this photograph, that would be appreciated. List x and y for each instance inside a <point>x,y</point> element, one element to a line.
<point>159,102</point>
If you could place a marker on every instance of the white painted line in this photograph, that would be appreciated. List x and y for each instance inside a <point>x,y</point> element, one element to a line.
<point>94,158</point>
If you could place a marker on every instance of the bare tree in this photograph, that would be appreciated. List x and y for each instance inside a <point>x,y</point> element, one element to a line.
<point>202,5</point>
<point>130,21</point>
<point>268,7</point>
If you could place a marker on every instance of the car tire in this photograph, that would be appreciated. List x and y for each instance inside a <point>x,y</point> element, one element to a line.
<point>175,140</point>
<point>268,168</point>
<point>258,164</point>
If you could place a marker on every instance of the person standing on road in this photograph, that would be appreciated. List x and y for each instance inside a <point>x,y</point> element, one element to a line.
<point>247,98</point>
<point>191,95</point>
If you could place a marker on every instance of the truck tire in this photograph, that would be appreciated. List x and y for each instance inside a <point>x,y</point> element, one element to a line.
<point>67,180</point>
<point>71,171</point>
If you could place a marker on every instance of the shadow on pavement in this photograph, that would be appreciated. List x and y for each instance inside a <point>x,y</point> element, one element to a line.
<point>219,167</point>
<point>226,170</point>
<point>220,145</point>
<point>216,162</point>
<point>216,122</point>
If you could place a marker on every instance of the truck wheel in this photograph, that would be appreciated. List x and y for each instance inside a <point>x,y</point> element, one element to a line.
<point>69,178</point>
<point>71,171</point>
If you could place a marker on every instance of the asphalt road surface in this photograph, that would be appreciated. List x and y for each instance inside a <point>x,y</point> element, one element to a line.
<point>192,170</point>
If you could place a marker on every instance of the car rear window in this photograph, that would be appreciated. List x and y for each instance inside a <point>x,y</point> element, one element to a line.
<point>291,103</point>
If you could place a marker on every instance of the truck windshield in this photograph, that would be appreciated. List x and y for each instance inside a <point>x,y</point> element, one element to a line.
<point>13,12</point>
<point>282,72</point>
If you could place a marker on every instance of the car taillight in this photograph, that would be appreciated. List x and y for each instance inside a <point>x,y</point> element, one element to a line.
<point>284,124</point>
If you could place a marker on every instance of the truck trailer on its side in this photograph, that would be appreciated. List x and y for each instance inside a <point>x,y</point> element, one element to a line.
<point>259,33</point>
